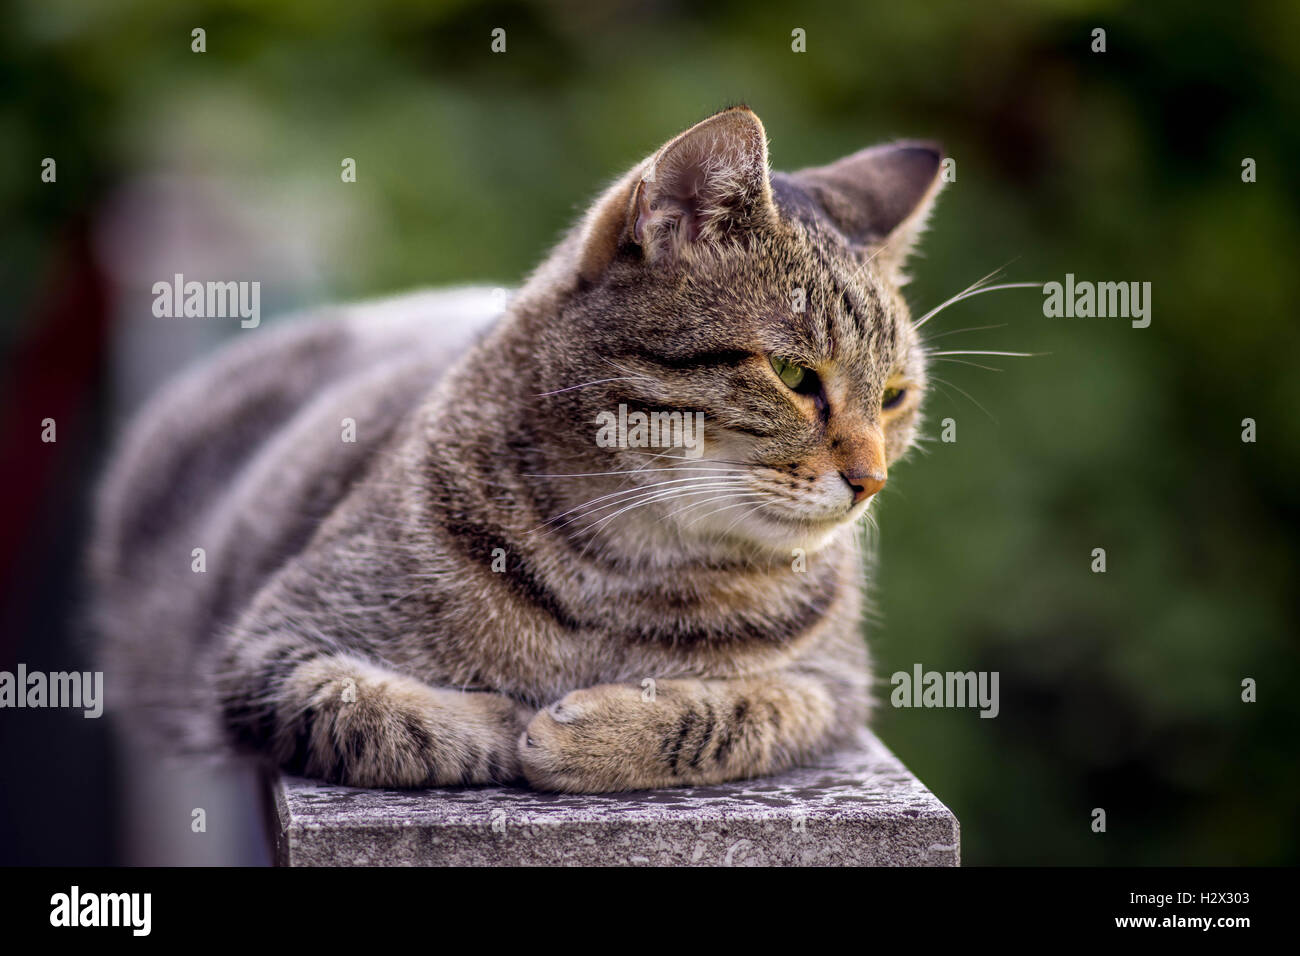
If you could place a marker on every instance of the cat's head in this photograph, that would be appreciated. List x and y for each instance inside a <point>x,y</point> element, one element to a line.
<point>703,282</point>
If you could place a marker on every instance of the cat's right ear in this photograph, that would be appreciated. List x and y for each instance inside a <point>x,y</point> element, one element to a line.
<point>707,186</point>
<point>879,198</point>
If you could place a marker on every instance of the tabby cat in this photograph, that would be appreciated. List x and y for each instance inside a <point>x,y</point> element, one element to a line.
<point>474,589</point>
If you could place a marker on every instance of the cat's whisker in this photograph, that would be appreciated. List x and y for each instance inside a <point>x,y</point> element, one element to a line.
<point>664,456</point>
<point>970,328</point>
<point>721,461</point>
<point>632,375</point>
<point>862,269</point>
<point>624,493</point>
<point>741,504</point>
<point>986,352</point>
<point>969,293</point>
<point>597,526</point>
<point>636,498</point>
<point>947,356</point>
<point>742,516</point>
<point>658,496</point>
<point>942,385</point>
<point>625,471</point>
<point>988,368</point>
<point>963,391</point>
<point>626,503</point>
<point>867,531</point>
<point>599,381</point>
<point>978,283</point>
<point>984,280</point>
<point>748,495</point>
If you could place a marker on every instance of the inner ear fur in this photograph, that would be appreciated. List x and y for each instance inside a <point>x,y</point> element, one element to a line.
<point>879,198</point>
<point>703,186</point>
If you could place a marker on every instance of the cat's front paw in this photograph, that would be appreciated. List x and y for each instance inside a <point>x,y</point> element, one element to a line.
<point>588,741</point>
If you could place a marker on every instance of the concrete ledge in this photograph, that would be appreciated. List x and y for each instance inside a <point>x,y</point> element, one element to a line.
<point>860,807</point>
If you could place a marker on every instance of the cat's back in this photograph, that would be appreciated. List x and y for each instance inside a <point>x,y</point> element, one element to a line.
<point>243,455</point>
<point>201,430</point>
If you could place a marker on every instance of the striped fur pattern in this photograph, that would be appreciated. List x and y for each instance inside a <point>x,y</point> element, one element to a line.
<point>476,590</point>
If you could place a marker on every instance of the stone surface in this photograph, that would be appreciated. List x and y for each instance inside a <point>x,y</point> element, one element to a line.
<point>859,807</point>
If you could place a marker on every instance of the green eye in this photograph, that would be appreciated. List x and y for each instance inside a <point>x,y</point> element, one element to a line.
<point>891,397</point>
<point>791,374</point>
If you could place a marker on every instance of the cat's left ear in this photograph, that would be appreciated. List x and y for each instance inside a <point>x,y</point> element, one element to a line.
<point>703,187</point>
<point>880,198</point>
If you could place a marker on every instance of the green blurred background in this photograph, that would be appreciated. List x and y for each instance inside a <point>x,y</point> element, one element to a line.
<point>1119,690</point>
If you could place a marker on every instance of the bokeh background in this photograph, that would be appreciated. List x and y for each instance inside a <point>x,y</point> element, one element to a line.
<point>1119,690</point>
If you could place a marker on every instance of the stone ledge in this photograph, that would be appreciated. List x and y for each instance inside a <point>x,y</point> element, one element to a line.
<point>858,807</point>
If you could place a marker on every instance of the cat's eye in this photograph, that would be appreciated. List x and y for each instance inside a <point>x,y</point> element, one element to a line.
<point>796,377</point>
<point>892,398</point>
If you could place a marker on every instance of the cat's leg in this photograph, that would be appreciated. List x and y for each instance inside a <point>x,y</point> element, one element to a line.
<point>333,714</point>
<point>691,732</point>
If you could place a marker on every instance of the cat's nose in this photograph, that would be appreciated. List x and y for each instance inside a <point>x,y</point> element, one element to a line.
<point>858,452</point>
<point>863,483</point>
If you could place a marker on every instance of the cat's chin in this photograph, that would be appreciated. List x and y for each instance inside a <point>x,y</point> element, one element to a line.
<point>779,535</point>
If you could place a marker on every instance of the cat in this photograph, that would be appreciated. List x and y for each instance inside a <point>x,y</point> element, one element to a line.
<point>474,590</point>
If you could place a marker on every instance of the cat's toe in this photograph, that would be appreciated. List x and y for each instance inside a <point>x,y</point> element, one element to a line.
<point>567,710</point>
<point>541,753</point>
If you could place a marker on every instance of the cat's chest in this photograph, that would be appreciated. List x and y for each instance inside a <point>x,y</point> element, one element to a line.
<point>536,645</point>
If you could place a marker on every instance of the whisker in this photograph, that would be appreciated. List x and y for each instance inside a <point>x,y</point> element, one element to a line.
<point>721,461</point>
<point>626,494</point>
<point>861,270</point>
<point>969,293</point>
<point>743,515</point>
<point>667,495</point>
<point>599,381</point>
<point>972,328</point>
<point>985,352</point>
<point>732,493</point>
<point>625,471</point>
<point>968,395</point>
<point>989,368</point>
<point>717,511</point>
<point>598,525</point>
<point>982,280</point>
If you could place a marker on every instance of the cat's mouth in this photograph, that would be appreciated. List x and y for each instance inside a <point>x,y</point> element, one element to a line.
<point>781,527</point>
<point>820,511</point>
<point>817,522</point>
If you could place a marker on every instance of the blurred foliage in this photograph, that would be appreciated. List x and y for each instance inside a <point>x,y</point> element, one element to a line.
<point>1119,690</point>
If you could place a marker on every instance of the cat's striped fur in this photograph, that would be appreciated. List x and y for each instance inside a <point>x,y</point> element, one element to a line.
<point>475,590</point>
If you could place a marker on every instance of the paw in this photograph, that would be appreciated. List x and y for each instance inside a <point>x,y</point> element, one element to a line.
<point>587,741</point>
<point>583,704</point>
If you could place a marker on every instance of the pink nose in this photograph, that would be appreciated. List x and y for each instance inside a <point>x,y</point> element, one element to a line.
<point>863,483</point>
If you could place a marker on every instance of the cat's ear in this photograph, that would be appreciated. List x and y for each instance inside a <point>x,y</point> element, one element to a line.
<point>880,198</point>
<point>705,186</point>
